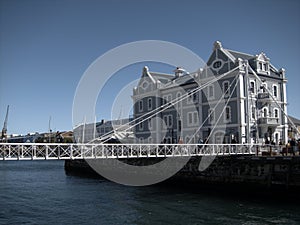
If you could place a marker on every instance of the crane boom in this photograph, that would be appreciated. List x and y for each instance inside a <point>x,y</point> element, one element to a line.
<point>4,129</point>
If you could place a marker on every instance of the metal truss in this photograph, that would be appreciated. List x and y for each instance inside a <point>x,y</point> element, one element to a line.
<point>34,151</point>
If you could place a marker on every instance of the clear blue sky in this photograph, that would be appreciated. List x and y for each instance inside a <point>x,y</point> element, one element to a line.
<point>46,45</point>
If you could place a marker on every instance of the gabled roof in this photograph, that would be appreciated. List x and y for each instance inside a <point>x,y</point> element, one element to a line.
<point>295,120</point>
<point>241,55</point>
<point>184,79</point>
<point>146,73</point>
<point>162,77</point>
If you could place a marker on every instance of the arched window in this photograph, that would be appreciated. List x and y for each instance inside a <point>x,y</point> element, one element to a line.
<point>149,103</point>
<point>252,87</point>
<point>276,113</point>
<point>226,88</point>
<point>140,105</point>
<point>265,112</point>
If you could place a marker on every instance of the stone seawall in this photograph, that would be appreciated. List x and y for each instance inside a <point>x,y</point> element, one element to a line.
<point>261,171</point>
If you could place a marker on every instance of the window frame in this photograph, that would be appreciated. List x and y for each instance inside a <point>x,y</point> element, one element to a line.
<point>227,91</point>
<point>275,87</point>
<point>211,115</point>
<point>150,103</point>
<point>210,90</point>
<point>141,107</point>
<point>226,120</point>
<point>276,111</point>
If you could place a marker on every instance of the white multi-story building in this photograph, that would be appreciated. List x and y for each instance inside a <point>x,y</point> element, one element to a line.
<point>246,103</point>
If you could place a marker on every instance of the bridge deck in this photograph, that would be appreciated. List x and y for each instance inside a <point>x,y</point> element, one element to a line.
<point>34,151</point>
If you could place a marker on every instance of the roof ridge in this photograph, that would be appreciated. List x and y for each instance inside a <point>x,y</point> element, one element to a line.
<point>226,52</point>
<point>240,52</point>
<point>294,118</point>
<point>159,73</point>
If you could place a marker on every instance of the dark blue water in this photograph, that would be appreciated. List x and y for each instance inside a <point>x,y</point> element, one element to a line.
<point>40,192</point>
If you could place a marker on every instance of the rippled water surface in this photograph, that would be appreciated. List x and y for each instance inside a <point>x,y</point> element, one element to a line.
<point>40,192</point>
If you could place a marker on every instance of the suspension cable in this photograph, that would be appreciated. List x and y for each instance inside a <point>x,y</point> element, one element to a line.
<point>166,105</point>
<point>213,109</point>
<point>275,100</point>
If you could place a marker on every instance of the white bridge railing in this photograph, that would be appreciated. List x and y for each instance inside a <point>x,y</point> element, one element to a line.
<point>35,151</point>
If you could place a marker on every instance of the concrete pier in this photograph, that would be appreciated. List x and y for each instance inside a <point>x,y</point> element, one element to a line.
<point>258,171</point>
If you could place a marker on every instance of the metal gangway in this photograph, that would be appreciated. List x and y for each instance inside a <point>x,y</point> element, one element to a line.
<point>55,151</point>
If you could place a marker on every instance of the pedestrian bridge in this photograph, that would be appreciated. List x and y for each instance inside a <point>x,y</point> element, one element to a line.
<point>55,151</point>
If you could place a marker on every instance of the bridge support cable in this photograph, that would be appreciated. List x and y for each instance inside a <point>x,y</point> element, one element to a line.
<point>235,82</point>
<point>275,100</point>
<point>162,108</point>
<point>215,125</point>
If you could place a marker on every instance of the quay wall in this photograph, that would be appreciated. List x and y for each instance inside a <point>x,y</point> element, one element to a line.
<point>259,171</point>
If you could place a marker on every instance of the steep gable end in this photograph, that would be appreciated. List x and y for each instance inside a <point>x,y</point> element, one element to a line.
<point>221,60</point>
<point>146,83</point>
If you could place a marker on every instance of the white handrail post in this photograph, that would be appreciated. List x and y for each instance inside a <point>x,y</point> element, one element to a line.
<point>71,151</point>
<point>46,151</point>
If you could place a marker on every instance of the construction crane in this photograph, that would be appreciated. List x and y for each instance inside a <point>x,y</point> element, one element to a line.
<point>4,129</point>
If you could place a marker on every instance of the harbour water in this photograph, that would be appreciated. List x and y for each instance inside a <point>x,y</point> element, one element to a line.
<point>40,192</point>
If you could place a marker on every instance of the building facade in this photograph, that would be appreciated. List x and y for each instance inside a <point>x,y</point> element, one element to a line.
<point>116,129</point>
<point>235,98</point>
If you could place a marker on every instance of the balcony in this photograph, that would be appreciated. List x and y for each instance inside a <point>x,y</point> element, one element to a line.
<point>264,96</point>
<point>269,121</point>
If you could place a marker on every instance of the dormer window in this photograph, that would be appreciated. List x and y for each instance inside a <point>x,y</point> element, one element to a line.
<point>263,64</point>
<point>263,67</point>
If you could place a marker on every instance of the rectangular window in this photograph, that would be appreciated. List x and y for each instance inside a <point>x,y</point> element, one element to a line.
<point>276,113</point>
<point>192,97</point>
<point>195,118</point>
<point>195,97</point>
<point>179,125</point>
<point>210,93</point>
<point>141,126</point>
<point>252,87</point>
<point>170,120</point>
<point>260,66</point>
<point>140,105</point>
<point>275,91</point>
<point>149,103</point>
<point>253,110</point>
<point>190,118</point>
<point>227,115</point>
<point>167,98</point>
<point>265,67</point>
<point>165,118</point>
<point>150,124</point>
